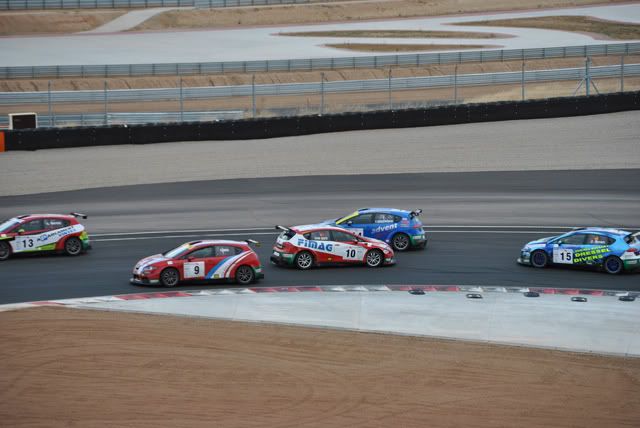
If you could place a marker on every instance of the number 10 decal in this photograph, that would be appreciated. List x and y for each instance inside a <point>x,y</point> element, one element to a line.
<point>351,254</point>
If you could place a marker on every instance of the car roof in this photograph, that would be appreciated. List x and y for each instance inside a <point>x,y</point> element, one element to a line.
<point>388,210</point>
<point>605,230</point>
<point>205,242</point>
<point>309,227</point>
<point>29,217</point>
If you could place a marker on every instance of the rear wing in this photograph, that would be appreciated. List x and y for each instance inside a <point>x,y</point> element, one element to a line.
<point>415,213</point>
<point>252,241</point>
<point>80,215</point>
<point>278,227</point>
<point>633,237</point>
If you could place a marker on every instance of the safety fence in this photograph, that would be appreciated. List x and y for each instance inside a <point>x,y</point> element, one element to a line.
<point>34,139</point>
<point>131,4</point>
<point>379,61</point>
<point>372,85</point>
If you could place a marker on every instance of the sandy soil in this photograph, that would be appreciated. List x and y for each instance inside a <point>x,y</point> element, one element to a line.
<point>604,29</point>
<point>65,367</point>
<point>414,34</point>
<point>71,21</point>
<point>67,21</point>
<point>300,14</point>
<point>398,47</point>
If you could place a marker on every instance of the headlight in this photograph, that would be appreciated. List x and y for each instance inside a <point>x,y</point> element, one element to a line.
<point>148,269</point>
<point>526,249</point>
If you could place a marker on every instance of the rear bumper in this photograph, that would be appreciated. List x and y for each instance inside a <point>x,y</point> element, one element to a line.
<point>281,259</point>
<point>419,241</point>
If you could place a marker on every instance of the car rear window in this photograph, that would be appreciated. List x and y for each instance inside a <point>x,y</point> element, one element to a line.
<point>287,234</point>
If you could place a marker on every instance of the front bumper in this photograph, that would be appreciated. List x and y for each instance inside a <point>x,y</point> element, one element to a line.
<point>388,261</point>
<point>141,280</point>
<point>525,258</point>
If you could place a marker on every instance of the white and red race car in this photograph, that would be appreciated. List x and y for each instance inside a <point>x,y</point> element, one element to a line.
<point>200,261</point>
<point>311,245</point>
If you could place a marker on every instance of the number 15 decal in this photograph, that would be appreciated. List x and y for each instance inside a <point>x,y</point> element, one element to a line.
<point>563,256</point>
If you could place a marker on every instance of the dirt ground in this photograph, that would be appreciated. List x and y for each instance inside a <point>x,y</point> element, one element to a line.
<point>398,47</point>
<point>42,22</point>
<point>65,367</point>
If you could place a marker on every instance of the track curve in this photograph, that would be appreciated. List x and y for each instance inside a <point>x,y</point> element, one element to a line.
<point>477,223</point>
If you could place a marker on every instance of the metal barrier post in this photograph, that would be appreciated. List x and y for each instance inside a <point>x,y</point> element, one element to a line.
<point>586,74</point>
<point>49,102</point>
<point>522,80</point>
<point>321,94</point>
<point>455,84</point>
<point>106,120</point>
<point>622,74</point>
<point>390,88</point>
<point>181,103</point>
<point>253,96</point>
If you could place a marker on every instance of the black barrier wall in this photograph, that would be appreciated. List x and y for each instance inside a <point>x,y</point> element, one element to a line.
<point>48,138</point>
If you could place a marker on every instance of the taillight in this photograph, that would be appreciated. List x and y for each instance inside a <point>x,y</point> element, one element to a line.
<point>635,251</point>
<point>417,226</point>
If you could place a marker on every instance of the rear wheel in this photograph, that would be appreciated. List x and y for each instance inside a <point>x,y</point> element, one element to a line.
<point>5,250</point>
<point>539,259</point>
<point>73,246</point>
<point>374,258</point>
<point>613,265</point>
<point>304,260</point>
<point>244,275</point>
<point>169,277</point>
<point>400,242</point>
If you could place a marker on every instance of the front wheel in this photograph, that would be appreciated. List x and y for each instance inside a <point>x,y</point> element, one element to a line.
<point>539,259</point>
<point>613,265</point>
<point>73,246</point>
<point>5,250</point>
<point>374,258</point>
<point>169,277</point>
<point>400,242</point>
<point>304,260</point>
<point>244,275</point>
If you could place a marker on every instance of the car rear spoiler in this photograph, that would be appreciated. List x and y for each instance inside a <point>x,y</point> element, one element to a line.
<point>278,227</point>
<point>79,215</point>
<point>415,213</point>
<point>252,241</point>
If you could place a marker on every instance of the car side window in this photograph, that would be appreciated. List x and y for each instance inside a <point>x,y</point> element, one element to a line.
<point>397,219</point>
<point>318,235</point>
<point>342,237</point>
<point>362,219</point>
<point>595,239</point>
<point>225,250</point>
<point>577,239</point>
<point>55,223</point>
<point>31,226</point>
<point>383,218</point>
<point>201,253</point>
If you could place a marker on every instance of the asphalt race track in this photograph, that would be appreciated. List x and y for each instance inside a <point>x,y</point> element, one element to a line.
<point>477,222</point>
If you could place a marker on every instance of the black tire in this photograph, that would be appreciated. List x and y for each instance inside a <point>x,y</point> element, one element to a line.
<point>304,260</point>
<point>401,242</point>
<point>539,259</point>
<point>374,258</point>
<point>245,275</point>
<point>5,250</point>
<point>613,265</point>
<point>170,277</point>
<point>73,246</point>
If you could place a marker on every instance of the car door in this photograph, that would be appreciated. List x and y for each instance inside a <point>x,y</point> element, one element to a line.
<point>384,224</point>
<point>322,246</point>
<point>196,262</point>
<point>563,249</point>
<point>596,247</point>
<point>219,264</point>
<point>360,225</point>
<point>347,248</point>
<point>27,236</point>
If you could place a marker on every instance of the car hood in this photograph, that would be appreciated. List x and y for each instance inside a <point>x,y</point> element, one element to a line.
<point>156,258</point>
<point>541,241</point>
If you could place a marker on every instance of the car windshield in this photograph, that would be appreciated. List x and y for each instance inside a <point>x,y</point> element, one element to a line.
<point>177,251</point>
<point>8,224</point>
<point>347,217</point>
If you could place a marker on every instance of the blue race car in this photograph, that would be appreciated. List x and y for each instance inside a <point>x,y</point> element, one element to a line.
<point>610,249</point>
<point>399,228</point>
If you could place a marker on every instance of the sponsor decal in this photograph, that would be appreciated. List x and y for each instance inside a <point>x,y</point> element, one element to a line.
<point>315,245</point>
<point>589,255</point>
<point>385,228</point>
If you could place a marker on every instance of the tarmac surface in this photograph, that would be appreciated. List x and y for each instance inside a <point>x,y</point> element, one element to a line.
<point>477,223</point>
<point>264,42</point>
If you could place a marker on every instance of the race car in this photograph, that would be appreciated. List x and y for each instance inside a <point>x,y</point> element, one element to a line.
<point>312,245</point>
<point>613,250</point>
<point>200,261</point>
<point>41,233</point>
<point>400,228</point>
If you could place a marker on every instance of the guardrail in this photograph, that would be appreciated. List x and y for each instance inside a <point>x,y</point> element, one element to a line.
<point>98,119</point>
<point>131,4</point>
<point>380,61</point>
<point>373,85</point>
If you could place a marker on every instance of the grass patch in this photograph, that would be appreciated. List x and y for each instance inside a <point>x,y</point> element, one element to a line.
<point>413,34</point>
<point>611,29</point>
<point>390,47</point>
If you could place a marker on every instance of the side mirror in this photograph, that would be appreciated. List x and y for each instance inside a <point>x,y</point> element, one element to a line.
<point>349,223</point>
<point>21,232</point>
